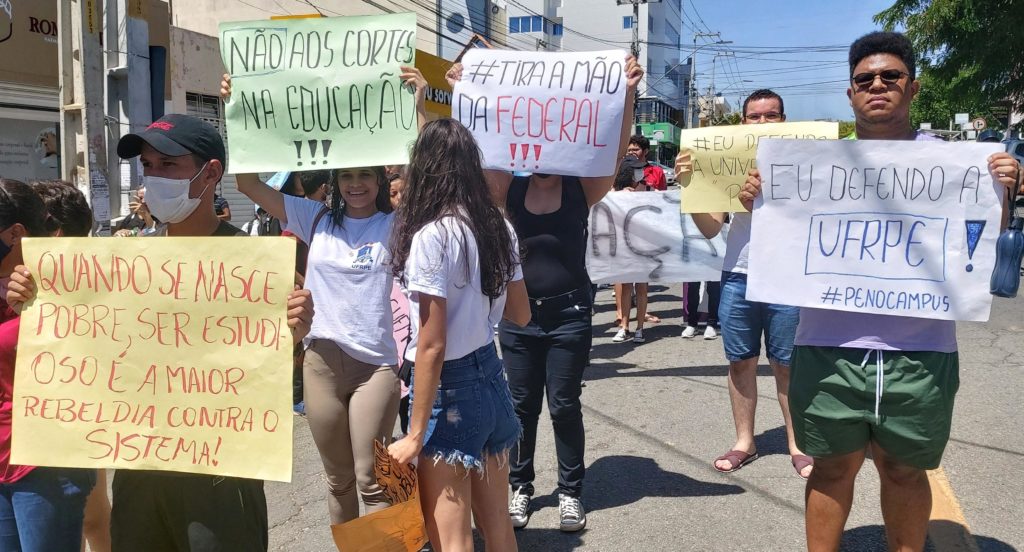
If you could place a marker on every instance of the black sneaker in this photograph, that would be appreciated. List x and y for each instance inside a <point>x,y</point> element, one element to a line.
<point>519,509</point>
<point>571,515</point>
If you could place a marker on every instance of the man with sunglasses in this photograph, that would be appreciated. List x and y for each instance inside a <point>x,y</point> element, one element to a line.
<point>915,358</point>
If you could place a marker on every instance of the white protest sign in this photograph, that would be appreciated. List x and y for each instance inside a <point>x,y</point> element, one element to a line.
<point>642,237</point>
<point>555,112</point>
<point>903,228</point>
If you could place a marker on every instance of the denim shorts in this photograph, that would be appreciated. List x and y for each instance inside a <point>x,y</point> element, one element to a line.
<point>743,322</point>
<point>473,415</point>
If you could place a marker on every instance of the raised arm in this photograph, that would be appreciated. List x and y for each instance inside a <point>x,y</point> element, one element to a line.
<point>595,188</point>
<point>413,78</point>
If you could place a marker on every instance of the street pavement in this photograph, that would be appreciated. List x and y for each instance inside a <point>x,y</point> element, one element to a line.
<point>657,414</point>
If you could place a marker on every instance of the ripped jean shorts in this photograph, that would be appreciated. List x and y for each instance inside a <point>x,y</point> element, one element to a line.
<point>473,416</point>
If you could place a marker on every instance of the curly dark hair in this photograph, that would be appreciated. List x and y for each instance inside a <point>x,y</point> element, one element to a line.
<point>764,94</point>
<point>337,203</point>
<point>884,42</point>
<point>66,208</point>
<point>312,180</point>
<point>20,204</point>
<point>444,178</point>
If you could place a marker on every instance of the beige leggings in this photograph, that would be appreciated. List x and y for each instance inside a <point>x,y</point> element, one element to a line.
<point>349,404</point>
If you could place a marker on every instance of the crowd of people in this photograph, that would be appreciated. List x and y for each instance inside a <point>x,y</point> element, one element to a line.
<point>475,250</point>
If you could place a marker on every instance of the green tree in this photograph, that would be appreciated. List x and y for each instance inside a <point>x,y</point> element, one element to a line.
<point>846,128</point>
<point>972,50</point>
<point>732,118</point>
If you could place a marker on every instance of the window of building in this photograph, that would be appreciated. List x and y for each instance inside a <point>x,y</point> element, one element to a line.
<point>556,29</point>
<point>627,22</point>
<point>513,24</point>
<point>538,23</point>
<point>672,34</point>
<point>207,108</point>
<point>650,23</point>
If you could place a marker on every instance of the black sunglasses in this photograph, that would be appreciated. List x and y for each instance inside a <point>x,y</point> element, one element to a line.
<point>889,76</point>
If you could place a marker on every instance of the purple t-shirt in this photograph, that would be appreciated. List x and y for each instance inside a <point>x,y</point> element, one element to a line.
<point>832,328</point>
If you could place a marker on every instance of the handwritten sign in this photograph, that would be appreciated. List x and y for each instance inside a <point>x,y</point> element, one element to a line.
<point>158,354</point>
<point>722,155</point>
<point>555,112</point>
<point>398,528</point>
<point>643,237</point>
<point>402,328</point>
<point>319,93</point>
<point>886,227</point>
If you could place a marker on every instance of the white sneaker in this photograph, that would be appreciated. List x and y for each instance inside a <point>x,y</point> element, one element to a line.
<point>710,333</point>
<point>622,335</point>
<point>638,337</point>
<point>571,516</point>
<point>689,332</point>
<point>519,509</point>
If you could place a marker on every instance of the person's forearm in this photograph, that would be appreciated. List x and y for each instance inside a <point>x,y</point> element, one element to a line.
<point>627,122</point>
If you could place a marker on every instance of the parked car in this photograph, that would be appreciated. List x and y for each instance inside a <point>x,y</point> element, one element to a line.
<point>670,173</point>
<point>1016,148</point>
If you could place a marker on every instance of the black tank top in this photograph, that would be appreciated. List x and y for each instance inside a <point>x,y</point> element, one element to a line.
<point>555,243</point>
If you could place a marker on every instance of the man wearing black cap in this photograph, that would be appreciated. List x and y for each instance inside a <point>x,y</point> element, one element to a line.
<point>183,161</point>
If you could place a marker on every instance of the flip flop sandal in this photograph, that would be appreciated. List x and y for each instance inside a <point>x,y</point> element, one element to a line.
<point>801,461</point>
<point>737,458</point>
<point>651,319</point>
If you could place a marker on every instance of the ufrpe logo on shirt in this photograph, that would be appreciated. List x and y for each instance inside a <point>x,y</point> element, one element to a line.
<point>364,258</point>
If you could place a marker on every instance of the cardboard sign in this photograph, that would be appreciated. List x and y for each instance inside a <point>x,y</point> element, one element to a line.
<point>319,93</point>
<point>554,112</point>
<point>158,354</point>
<point>398,528</point>
<point>887,227</point>
<point>722,155</point>
<point>640,237</point>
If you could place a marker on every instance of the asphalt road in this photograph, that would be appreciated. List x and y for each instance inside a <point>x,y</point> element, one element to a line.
<point>658,413</point>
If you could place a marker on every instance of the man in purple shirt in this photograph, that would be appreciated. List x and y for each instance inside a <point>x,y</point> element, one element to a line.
<point>838,357</point>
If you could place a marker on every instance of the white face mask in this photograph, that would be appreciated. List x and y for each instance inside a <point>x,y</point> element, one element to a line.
<point>168,198</point>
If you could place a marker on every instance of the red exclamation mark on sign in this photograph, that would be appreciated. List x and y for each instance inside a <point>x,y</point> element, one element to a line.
<point>525,148</point>
<point>536,155</point>
<point>512,150</point>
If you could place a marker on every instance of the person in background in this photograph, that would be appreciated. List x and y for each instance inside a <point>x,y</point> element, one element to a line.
<point>640,147</point>
<point>458,260</point>
<point>744,322</point>
<point>906,422</point>
<point>316,185</point>
<point>550,215</point>
<point>139,220</point>
<point>222,207</point>
<point>183,160</point>
<point>70,216</point>
<point>396,183</point>
<point>41,508</point>
<point>631,178</point>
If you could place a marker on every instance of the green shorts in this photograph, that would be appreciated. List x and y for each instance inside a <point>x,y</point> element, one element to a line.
<point>832,400</point>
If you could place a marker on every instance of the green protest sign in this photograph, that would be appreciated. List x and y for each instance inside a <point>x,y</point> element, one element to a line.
<point>322,93</point>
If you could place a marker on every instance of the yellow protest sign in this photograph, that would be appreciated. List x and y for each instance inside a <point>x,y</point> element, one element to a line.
<point>722,155</point>
<point>398,528</point>
<point>157,353</point>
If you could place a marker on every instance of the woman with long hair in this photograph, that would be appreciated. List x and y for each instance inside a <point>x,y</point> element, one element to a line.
<point>41,509</point>
<point>458,260</point>
<point>549,213</point>
<point>351,390</point>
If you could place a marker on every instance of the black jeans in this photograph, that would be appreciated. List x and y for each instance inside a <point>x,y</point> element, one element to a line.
<point>693,302</point>
<point>551,352</point>
<point>172,512</point>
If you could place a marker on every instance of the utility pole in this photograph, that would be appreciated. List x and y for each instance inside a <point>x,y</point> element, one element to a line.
<point>83,140</point>
<point>636,44</point>
<point>129,101</point>
<point>692,95</point>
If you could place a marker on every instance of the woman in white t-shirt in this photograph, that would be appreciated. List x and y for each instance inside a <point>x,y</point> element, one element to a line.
<point>351,390</point>
<point>458,260</point>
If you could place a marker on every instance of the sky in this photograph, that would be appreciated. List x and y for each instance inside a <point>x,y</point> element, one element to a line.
<point>795,47</point>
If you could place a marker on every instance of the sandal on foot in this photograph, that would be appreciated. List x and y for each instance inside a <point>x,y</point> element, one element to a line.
<point>801,461</point>
<point>651,319</point>
<point>736,458</point>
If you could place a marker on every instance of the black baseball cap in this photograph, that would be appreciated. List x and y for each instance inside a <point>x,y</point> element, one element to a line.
<point>175,135</point>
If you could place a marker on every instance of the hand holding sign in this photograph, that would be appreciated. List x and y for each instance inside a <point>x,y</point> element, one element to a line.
<point>554,112</point>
